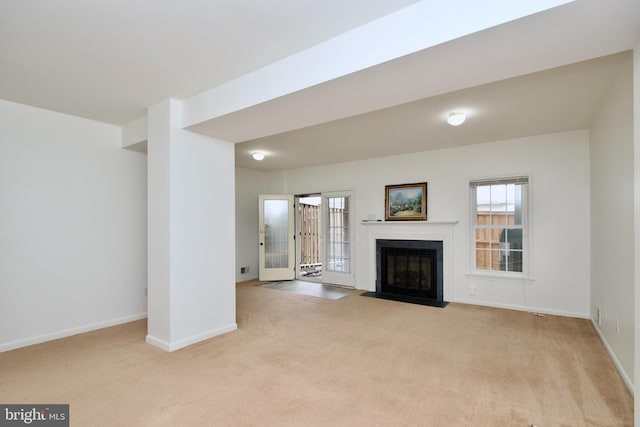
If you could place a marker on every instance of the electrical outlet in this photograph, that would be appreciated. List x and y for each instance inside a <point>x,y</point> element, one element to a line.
<point>598,317</point>
<point>472,290</point>
<point>244,270</point>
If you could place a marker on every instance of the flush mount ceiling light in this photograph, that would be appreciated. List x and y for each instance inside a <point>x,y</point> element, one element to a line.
<point>456,118</point>
<point>257,155</point>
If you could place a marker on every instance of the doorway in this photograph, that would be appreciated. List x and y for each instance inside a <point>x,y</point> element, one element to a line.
<point>307,237</point>
<point>324,238</point>
<point>309,249</point>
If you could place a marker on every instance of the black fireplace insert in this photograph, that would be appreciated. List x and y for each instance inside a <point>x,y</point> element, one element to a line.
<point>409,271</point>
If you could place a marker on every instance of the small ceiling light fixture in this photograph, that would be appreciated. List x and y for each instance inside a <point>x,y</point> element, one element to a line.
<point>456,118</point>
<point>257,155</point>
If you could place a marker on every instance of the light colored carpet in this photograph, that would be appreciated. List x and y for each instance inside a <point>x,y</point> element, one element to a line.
<point>303,361</point>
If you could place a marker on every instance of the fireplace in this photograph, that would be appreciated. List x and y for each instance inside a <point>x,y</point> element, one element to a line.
<point>410,271</point>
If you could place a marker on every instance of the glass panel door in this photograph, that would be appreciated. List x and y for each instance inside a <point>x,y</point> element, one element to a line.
<point>276,243</point>
<point>339,239</point>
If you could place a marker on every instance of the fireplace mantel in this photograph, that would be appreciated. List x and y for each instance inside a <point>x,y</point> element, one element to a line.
<point>418,223</point>
<point>411,230</point>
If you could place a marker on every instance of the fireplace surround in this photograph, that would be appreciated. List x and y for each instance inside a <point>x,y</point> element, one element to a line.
<point>441,230</point>
<point>409,271</point>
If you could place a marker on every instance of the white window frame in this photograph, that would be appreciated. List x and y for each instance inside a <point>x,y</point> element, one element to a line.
<point>526,226</point>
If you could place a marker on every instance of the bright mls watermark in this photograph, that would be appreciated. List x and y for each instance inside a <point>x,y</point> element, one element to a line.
<point>34,415</point>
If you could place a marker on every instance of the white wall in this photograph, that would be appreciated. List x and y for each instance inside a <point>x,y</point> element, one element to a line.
<point>558,165</point>
<point>249,184</point>
<point>612,212</point>
<point>159,223</point>
<point>203,292</point>
<point>191,230</point>
<point>72,226</point>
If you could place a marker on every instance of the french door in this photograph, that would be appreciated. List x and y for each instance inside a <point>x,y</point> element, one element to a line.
<point>276,250</point>
<point>339,238</point>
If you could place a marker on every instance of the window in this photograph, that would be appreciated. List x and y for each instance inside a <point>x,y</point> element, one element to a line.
<point>499,209</point>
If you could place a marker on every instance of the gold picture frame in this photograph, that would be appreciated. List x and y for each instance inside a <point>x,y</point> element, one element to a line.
<point>405,202</point>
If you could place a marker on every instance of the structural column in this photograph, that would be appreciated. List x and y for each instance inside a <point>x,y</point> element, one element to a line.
<point>636,148</point>
<point>191,232</point>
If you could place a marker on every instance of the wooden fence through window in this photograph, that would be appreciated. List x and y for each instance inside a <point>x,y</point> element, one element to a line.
<point>310,236</point>
<point>488,239</point>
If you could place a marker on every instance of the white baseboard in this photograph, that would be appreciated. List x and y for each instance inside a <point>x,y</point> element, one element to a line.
<point>177,345</point>
<point>157,342</point>
<point>69,332</point>
<point>525,308</point>
<point>616,362</point>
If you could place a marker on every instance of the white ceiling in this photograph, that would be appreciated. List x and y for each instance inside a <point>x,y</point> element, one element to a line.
<point>109,60</point>
<point>560,99</point>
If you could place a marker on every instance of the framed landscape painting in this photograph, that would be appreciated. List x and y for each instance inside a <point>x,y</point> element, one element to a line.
<point>406,202</point>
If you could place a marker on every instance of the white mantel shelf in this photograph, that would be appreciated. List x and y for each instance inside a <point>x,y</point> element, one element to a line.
<point>408,222</point>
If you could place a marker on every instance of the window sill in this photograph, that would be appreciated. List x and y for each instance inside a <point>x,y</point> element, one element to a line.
<point>513,277</point>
